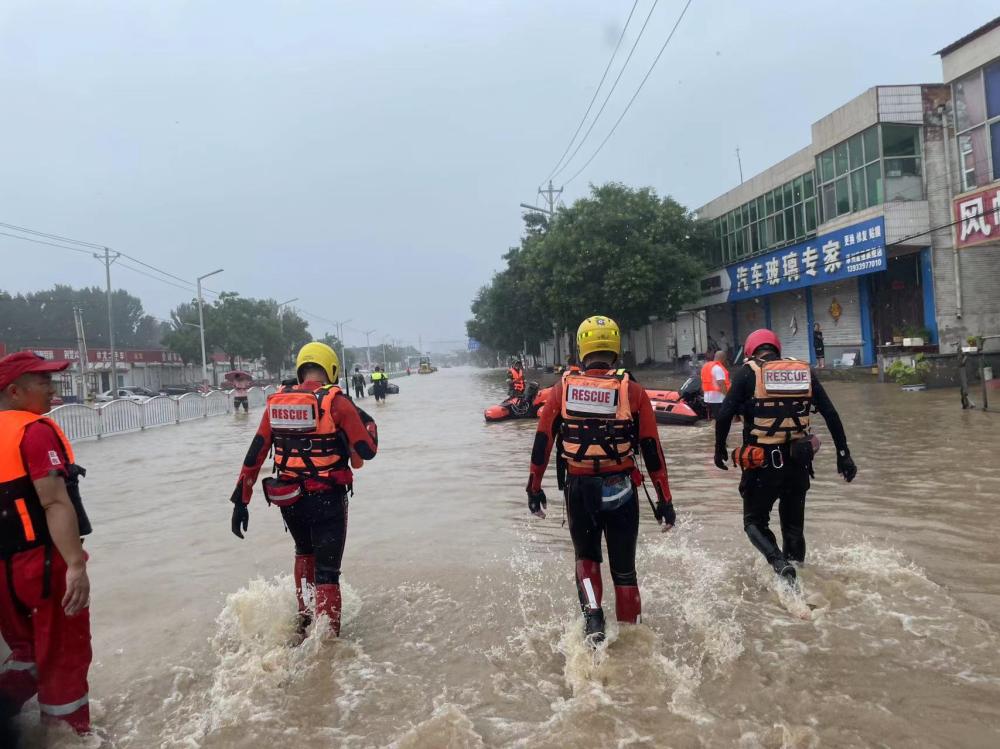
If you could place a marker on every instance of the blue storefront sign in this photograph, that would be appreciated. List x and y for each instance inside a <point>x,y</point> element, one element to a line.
<point>473,344</point>
<point>854,250</point>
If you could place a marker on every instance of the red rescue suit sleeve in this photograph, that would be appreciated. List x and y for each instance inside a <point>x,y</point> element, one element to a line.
<point>545,437</point>
<point>260,446</point>
<point>649,441</point>
<point>348,420</point>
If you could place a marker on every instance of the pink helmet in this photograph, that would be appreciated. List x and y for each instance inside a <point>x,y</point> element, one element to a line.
<point>760,338</point>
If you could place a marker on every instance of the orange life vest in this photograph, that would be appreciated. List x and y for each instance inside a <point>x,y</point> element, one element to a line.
<point>22,517</point>
<point>596,431</point>
<point>308,444</point>
<point>517,379</point>
<point>708,381</point>
<point>782,401</point>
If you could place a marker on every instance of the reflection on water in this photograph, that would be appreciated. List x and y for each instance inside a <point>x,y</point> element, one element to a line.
<point>461,628</point>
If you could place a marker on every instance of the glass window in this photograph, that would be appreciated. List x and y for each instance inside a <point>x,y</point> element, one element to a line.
<point>789,224</point>
<point>778,202</point>
<point>826,166</point>
<point>902,180</point>
<point>970,104</point>
<point>761,211</point>
<point>800,230</point>
<point>991,77</point>
<point>745,214</point>
<point>765,233</point>
<point>786,190</point>
<point>855,151</point>
<point>858,201</point>
<point>873,176</point>
<point>843,196</point>
<point>900,140</point>
<point>769,203</point>
<point>753,210</point>
<point>995,140</point>
<point>840,158</point>
<point>754,244</point>
<point>797,190</point>
<point>829,202</point>
<point>810,206</point>
<point>973,158</point>
<point>779,229</point>
<point>808,185</point>
<point>870,138</point>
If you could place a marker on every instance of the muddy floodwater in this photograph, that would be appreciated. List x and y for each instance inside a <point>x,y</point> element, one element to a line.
<point>461,623</point>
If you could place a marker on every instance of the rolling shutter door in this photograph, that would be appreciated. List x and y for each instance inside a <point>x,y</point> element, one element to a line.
<point>790,321</point>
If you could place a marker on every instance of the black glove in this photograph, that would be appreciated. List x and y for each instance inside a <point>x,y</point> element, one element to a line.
<point>536,503</point>
<point>845,465</point>
<point>721,457</point>
<point>665,513</point>
<point>241,513</point>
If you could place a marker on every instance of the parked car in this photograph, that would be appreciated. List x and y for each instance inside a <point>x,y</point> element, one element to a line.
<point>132,393</point>
<point>178,390</point>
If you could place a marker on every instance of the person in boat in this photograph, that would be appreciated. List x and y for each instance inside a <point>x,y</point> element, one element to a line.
<point>775,397</point>
<point>319,437</point>
<point>515,380</point>
<point>600,420</point>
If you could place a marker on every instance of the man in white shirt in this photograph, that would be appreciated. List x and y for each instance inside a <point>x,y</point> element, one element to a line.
<point>715,383</point>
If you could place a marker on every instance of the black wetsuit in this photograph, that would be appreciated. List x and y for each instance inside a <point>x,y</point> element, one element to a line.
<point>318,524</point>
<point>359,385</point>
<point>588,520</point>
<point>787,482</point>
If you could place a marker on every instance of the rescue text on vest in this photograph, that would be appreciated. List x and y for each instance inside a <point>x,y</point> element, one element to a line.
<point>591,399</point>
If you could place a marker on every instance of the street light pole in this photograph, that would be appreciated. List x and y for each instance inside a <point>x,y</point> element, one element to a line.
<point>201,324</point>
<point>281,331</point>
<point>343,351</point>
<point>368,347</point>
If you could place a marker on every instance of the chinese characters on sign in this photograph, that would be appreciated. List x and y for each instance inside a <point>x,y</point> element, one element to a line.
<point>977,218</point>
<point>851,251</point>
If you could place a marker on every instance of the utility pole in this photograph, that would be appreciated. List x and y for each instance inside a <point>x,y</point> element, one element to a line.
<point>739,161</point>
<point>343,351</point>
<point>107,259</point>
<point>281,333</point>
<point>81,345</point>
<point>201,324</point>
<point>551,195</point>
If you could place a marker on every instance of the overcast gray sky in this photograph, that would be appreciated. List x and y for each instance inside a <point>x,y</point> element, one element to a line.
<point>369,157</point>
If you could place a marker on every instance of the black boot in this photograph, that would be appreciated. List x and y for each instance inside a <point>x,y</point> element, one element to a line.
<point>8,732</point>
<point>593,626</point>
<point>785,570</point>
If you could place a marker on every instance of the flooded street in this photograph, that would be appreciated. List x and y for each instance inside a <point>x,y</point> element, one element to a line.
<point>461,623</point>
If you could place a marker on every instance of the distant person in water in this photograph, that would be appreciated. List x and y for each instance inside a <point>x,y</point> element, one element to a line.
<point>380,384</point>
<point>358,381</point>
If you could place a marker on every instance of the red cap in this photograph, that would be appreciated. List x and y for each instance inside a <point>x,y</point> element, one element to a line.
<point>23,362</point>
<point>760,338</point>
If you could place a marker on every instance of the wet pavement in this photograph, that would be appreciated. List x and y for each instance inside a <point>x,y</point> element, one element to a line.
<point>461,622</point>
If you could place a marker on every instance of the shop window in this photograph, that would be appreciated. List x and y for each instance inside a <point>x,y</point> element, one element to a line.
<point>858,200</point>
<point>797,190</point>
<point>870,139</point>
<point>973,158</point>
<point>903,180</point>
<point>840,160</point>
<point>810,216</point>
<point>991,81</point>
<point>873,178</point>
<point>808,185</point>
<point>843,197</point>
<point>779,203</point>
<point>787,195</point>
<point>855,151</point>
<point>995,140</point>
<point>969,102</point>
<point>789,224</point>
<point>825,166</point>
<point>829,202</point>
<point>900,140</point>
<point>799,224</point>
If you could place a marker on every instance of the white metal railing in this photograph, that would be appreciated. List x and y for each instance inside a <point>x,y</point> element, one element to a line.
<point>79,421</point>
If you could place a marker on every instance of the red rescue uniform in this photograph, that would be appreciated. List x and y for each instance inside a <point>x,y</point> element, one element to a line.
<point>50,652</point>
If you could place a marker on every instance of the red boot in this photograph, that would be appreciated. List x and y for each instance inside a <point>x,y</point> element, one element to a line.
<point>628,604</point>
<point>328,603</point>
<point>305,575</point>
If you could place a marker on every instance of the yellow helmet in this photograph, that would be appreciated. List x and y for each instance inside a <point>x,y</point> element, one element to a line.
<point>320,354</point>
<point>598,333</point>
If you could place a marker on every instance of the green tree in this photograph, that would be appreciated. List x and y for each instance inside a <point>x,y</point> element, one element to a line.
<point>184,337</point>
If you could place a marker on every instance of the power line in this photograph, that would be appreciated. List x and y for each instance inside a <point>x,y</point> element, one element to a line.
<point>597,91</point>
<point>610,92</point>
<point>636,94</point>
<point>155,278</point>
<point>40,241</point>
<point>53,236</point>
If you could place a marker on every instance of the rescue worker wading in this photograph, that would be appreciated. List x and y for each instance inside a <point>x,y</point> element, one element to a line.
<point>775,397</point>
<point>515,379</point>
<point>599,420</point>
<point>44,588</point>
<point>380,384</point>
<point>318,436</point>
<point>358,381</point>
